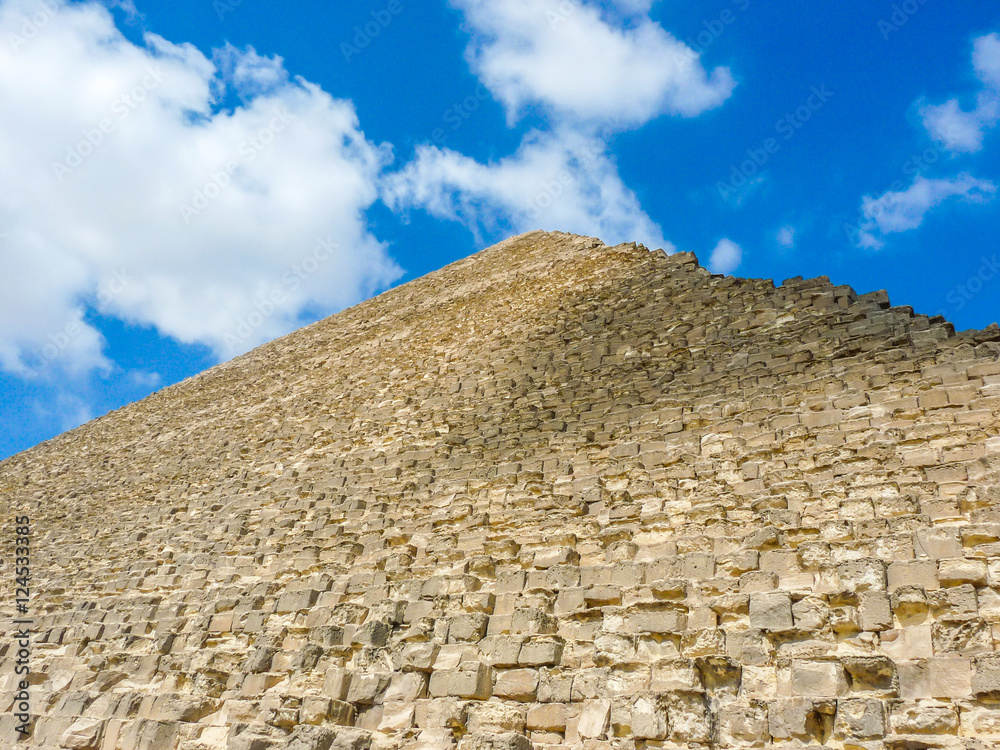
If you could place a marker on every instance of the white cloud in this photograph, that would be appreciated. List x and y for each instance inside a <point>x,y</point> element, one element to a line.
<point>558,181</point>
<point>726,257</point>
<point>786,236</point>
<point>103,142</point>
<point>986,59</point>
<point>904,210</point>
<point>583,67</point>
<point>591,67</point>
<point>145,379</point>
<point>962,130</point>
<point>247,73</point>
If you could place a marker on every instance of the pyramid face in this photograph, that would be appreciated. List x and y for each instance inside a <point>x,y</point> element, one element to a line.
<point>555,495</point>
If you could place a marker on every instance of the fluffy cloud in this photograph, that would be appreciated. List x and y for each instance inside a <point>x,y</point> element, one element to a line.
<point>726,257</point>
<point>901,211</point>
<point>583,67</point>
<point>562,181</point>
<point>959,129</point>
<point>128,190</point>
<point>590,68</point>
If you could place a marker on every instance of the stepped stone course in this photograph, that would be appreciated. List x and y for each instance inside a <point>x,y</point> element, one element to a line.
<point>554,495</point>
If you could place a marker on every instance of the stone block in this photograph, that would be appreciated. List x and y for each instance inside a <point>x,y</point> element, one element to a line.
<point>419,657</point>
<point>860,718</point>
<point>471,684</point>
<point>800,719</point>
<point>470,627</point>
<point>397,717</point>
<point>367,688</point>
<point>956,571</point>
<point>336,684</point>
<point>874,610</point>
<point>986,676</point>
<point>819,679</point>
<point>595,718</point>
<point>549,717</point>
<point>922,573</point>
<point>83,734</point>
<point>649,719</point>
<point>865,574</point>
<point>502,650</point>
<point>541,652</point>
<point>496,717</point>
<point>689,717</point>
<point>532,622</point>
<point>970,636</point>
<point>924,717</point>
<point>516,684</point>
<point>743,724</point>
<point>669,620</point>
<point>407,687</point>
<point>771,611</point>
<point>549,558</point>
<point>950,678</point>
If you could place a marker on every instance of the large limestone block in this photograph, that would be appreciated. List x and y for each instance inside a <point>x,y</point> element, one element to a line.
<point>472,684</point>
<point>771,611</point>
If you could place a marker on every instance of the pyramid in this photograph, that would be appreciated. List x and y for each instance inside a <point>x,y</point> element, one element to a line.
<point>554,495</point>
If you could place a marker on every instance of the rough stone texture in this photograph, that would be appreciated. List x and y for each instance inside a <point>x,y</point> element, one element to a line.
<point>554,495</point>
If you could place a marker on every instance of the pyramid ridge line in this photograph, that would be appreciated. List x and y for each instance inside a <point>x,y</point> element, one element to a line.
<point>675,259</point>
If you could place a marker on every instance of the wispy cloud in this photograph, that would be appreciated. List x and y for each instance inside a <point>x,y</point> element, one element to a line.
<point>562,181</point>
<point>901,211</point>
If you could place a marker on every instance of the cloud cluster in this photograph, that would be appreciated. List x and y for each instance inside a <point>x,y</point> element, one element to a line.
<point>119,159</point>
<point>592,70</point>
<point>962,130</point>
<point>954,129</point>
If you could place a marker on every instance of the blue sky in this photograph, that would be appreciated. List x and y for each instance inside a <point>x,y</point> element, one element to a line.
<point>184,181</point>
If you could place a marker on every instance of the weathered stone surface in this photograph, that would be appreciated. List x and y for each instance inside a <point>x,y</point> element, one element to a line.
<point>771,611</point>
<point>555,495</point>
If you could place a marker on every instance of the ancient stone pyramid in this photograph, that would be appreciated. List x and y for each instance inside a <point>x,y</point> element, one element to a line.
<point>555,495</point>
